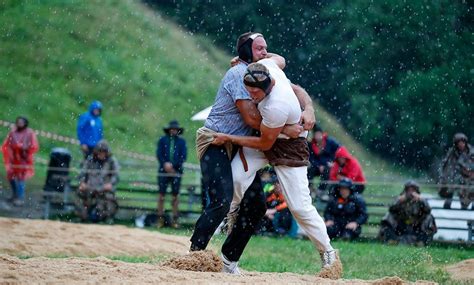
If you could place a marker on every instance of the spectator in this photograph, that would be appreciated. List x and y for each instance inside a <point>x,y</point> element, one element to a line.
<point>347,166</point>
<point>457,172</point>
<point>89,128</point>
<point>346,212</point>
<point>171,153</point>
<point>278,218</point>
<point>409,220</point>
<point>98,178</point>
<point>322,151</point>
<point>18,149</point>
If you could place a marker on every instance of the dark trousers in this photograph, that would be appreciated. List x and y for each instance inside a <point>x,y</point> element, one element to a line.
<point>164,181</point>
<point>204,197</point>
<point>408,234</point>
<point>218,184</point>
<point>96,206</point>
<point>18,189</point>
<point>252,210</point>
<point>339,230</point>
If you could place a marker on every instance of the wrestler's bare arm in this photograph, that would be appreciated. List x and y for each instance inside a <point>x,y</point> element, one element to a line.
<point>308,118</point>
<point>264,142</point>
<point>249,112</point>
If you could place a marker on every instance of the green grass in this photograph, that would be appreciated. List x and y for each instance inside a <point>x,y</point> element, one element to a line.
<point>58,56</point>
<point>361,260</point>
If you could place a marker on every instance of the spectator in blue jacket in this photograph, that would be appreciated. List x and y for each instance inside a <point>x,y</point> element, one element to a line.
<point>89,128</point>
<point>346,212</point>
<point>322,150</point>
<point>171,153</point>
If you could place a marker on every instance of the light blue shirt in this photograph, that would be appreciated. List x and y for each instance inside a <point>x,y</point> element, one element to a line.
<point>225,116</point>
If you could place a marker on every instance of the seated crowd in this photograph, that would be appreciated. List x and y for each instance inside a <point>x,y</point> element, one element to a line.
<point>341,184</point>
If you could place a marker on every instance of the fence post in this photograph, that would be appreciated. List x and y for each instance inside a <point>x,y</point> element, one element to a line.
<point>470,230</point>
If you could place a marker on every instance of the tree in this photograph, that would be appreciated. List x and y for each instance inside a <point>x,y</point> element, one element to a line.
<point>397,73</point>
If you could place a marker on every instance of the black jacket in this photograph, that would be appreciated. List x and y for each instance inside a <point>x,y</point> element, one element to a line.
<point>325,154</point>
<point>178,152</point>
<point>351,210</point>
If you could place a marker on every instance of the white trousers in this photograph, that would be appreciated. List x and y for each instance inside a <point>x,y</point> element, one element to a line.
<point>294,184</point>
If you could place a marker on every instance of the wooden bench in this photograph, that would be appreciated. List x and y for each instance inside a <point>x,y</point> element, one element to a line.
<point>146,203</point>
<point>130,205</point>
<point>140,197</point>
<point>377,207</point>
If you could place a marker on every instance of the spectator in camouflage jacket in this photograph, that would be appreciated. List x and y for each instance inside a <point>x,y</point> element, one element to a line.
<point>409,219</point>
<point>98,178</point>
<point>457,172</point>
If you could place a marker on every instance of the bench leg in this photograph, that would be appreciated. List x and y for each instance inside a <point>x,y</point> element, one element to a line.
<point>47,209</point>
<point>470,230</point>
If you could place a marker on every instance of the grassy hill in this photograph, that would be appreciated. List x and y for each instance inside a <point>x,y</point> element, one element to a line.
<point>58,56</point>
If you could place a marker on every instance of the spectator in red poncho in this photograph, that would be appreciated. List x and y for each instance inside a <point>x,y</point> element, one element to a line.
<point>347,166</point>
<point>18,150</point>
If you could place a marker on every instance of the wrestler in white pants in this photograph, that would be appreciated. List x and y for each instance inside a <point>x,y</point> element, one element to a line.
<point>294,184</point>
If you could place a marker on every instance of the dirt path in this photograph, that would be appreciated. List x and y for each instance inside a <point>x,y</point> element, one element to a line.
<point>462,271</point>
<point>105,271</point>
<point>38,238</point>
<point>22,237</point>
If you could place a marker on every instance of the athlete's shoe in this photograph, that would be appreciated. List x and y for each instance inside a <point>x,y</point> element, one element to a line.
<point>328,258</point>
<point>331,265</point>
<point>231,267</point>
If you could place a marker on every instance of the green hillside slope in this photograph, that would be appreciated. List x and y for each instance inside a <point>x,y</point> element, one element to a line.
<point>58,56</point>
